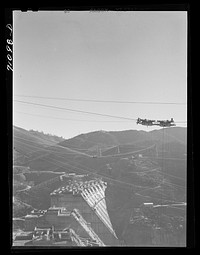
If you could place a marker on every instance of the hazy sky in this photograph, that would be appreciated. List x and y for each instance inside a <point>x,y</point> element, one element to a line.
<point>121,56</point>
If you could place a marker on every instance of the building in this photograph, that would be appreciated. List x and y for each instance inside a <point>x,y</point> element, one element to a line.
<point>61,227</point>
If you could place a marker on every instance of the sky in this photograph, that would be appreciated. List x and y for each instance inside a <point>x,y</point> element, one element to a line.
<point>115,56</point>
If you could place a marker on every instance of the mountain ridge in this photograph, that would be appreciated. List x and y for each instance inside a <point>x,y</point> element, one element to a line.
<point>125,136</point>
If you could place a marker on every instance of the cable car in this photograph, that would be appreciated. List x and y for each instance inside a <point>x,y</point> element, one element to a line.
<point>166,123</point>
<point>161,123</point>
<point>145,122</point>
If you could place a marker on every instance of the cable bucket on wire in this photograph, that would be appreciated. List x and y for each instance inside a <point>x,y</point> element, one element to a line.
<point>161,123</point>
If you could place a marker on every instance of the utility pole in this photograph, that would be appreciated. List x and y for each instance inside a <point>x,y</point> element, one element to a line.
<point>156,151</point>
<point>98,151</point>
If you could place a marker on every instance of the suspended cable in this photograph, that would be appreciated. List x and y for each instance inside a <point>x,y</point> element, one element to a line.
<point>93,169</point>
<point>175,185</point>
<point>127,153</point>
<point>182,142</point>
<point>112,178</point>
<point>172,175</point>
<point>184,159</point>
<point>78,152</point>
<point>77,167</point>
<point>73,110</point>
<point>174,207</point>
<point>50,149</point>
<point>45,149</point>
<point>31,141</point>
<point>79,111</point>
<point>67,153</point>
<point>155,170</point>
<point>101,101</point>
<point>144,172</point>
<point>118,181</point>
<point>55,144</point>
<point>92,173</point>
<point>160,199</point>
<point>99,175</point>
<point>79,120</point>
<point>42,138</point>
<point>49,152</point>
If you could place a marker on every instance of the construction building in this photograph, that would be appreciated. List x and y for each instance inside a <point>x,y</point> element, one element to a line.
<point>79,206</point>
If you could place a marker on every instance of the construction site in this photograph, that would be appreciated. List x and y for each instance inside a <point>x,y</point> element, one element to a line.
<point>77,216</point>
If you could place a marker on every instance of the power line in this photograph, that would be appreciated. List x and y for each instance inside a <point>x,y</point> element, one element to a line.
<point>161,199</point>
<point>49,148</point>
<point>144,172</point>
<point>127,153</point>
<point>68,163</point>
<point>111,178</point>
<point>172,175</point>
<point>96,174</point>
<point>93,173</point>
<point>183,159</point>
<point>73,110</point>
<point>76,167</point>
<point>80,111</point>
<point>101,101</point>
<point>118,181</point>
<point>175,185</point>
<point>72,152</point>
<point>76,152</point>
<point>180,141</point>
<point>53,144</point>
<point>31,141</point>
<point>44,116</point>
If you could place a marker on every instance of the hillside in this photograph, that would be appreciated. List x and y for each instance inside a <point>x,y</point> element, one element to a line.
<point>105,139</point>
<point>76,153</point>
<point>26,142</point>
<point>91,140</point>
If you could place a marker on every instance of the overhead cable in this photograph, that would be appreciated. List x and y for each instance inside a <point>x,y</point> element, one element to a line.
<point>79,111</point>
<point>73,110</point>
<point>102,101</point>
